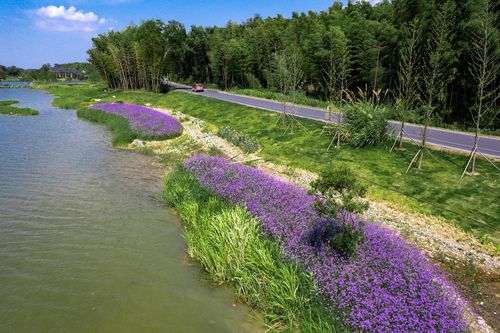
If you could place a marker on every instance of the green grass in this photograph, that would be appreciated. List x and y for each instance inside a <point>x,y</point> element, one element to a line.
<point>7,108</point>
<point>413,117</point>
<point>471,203</point>
<point>273,95</point>
<point>122,134</point>
<point>230,247</point>
<point>8,102</point>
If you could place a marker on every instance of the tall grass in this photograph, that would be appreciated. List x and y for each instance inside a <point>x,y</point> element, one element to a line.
<point>8,102</point>
<point>6,108</point>
<point>230,247</point>
<point>121,132</point>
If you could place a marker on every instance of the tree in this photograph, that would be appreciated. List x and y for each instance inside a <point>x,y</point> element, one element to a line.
<point>408,75</point>
<point>288,75</point>
<point>438,72</point>
<point>3,74</point>
<point>484,67</point>
<point>336,69</point>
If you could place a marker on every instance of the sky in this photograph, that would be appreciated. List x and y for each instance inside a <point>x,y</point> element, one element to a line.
<point>35,32</point>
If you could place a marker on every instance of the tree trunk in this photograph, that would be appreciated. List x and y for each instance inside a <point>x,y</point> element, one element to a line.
<point>401,134</point>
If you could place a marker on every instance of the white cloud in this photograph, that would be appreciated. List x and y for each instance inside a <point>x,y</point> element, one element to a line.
<point>372,2</point>
<point>61,19</point>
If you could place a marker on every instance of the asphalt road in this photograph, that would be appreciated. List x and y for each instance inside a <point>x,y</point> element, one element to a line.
<point>452,140</point>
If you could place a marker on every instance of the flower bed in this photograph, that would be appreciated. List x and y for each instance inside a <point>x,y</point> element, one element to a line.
<point>387,286</point>
<point>146,122</point>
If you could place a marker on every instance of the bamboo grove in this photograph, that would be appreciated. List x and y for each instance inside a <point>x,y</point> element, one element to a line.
<point>416,53</point>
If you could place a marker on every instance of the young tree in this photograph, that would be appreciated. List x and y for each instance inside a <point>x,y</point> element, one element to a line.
<point>288,75</point>
<point>438,72</point>
<point>335,72</point>
<point>484,67</point>
<point>408,75</point>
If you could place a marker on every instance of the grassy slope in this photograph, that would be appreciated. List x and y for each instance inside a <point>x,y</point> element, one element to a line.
<point>229,245</point>
<point>471,203</point>
<point>268,94</point>
<point>6,108</point>
<point>413,117</point>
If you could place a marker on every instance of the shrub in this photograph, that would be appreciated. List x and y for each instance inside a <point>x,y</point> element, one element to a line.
<point>247,144</point>
<point>337,188</point>
<point>365,124</point>
<point>341,237</point>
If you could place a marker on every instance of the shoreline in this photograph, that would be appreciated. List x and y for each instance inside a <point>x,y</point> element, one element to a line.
<point>453,254</point>
<point>201,138</point>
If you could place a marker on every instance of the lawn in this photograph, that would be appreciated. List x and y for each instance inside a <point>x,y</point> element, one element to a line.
<point>471,203</point>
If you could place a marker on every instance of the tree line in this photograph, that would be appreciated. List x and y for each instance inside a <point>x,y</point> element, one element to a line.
<point>419,55</point>
<point>43,74</point>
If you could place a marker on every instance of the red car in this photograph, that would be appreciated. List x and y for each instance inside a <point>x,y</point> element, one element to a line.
<point>197,87</point>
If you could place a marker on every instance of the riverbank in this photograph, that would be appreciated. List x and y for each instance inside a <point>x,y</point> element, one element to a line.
<point>436,190</point>
<point>86,244</point>
<point>203,141</point>
<point>7,109</point>
<point>468,262</point>
<point>230,246</point>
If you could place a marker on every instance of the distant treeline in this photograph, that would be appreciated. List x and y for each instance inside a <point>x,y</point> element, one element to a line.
<point>43,74</point>
<point>387,43</point>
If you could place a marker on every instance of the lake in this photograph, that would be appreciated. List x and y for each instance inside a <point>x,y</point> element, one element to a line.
<point>84,247</point>
<point>14,83</point>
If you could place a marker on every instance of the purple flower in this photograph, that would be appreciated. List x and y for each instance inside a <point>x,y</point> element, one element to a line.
<point>387,286</point>
<point>145,121</point>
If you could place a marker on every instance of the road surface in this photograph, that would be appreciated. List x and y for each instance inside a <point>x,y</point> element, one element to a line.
<point>452,140</point>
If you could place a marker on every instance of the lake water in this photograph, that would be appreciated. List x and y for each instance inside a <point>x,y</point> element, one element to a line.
<point>14,83</point>
<point>83,247</point>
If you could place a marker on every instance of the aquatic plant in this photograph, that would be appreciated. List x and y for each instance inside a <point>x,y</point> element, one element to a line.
<point>7,108</point>
<point>386,286</point>
<point>145,121</point>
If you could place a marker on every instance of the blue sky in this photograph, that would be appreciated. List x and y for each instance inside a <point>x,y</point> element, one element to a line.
<point>34,32</point>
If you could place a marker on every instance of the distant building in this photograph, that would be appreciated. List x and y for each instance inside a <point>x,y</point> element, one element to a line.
<point>66,73</point>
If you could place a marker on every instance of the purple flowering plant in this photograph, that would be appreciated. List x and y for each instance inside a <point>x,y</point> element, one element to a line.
<point>387,286</point>
<point>145,121</point>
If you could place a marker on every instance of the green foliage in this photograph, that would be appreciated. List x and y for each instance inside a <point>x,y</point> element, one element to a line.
<point>362,45</point>
<point>341,237</point>
<point>8,102</point>
<point>215,151</point>
<point>43,74</point>
<point>246,143</point>
<point>3,74</point>
<point>300,99</point>
<point>230,247</point>
<point>7,109</point>
<point>365,124</point>
<point>347,240</point>
<point>337,188</point>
